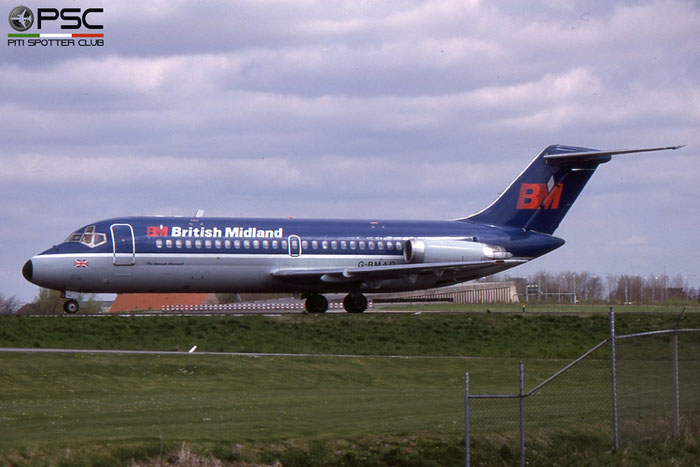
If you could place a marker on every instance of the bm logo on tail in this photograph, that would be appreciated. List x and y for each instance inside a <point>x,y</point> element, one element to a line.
<point>539,196</point>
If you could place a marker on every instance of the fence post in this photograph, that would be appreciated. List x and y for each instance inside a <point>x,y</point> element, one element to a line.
<point>676,385</point>
<point>522,416</point>
<point>466,419</point>
<point>676,395</point>
<point>613,372</point>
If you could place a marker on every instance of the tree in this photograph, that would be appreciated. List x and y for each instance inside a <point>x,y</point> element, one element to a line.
<point>611,282</point>
<point>9,306</point>
<point>50,302</point>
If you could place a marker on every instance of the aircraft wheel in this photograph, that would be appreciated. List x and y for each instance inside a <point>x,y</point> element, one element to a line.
<point>71,306</point>
<point>316,304</point>
<point>355,304</point>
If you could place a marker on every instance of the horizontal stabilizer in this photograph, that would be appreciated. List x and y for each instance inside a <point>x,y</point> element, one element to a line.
<point>597,156</point>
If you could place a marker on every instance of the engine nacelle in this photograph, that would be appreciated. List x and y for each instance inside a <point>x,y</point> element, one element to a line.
<point>436,250</point>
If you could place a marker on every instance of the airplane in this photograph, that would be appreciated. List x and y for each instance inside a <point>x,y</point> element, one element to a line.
<point>23,18</point>
<point>313,257</point>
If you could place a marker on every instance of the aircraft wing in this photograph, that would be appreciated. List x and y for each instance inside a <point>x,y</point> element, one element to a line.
<point>374,275</point>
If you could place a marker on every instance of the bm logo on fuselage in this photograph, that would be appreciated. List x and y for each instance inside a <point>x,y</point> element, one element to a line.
<point>156,231</point>
<point>539,196</point>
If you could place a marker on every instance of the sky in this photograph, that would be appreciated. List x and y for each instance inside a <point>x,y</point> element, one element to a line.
<point>356,109</point>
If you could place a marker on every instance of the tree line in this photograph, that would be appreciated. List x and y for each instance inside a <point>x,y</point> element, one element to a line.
<point>46,302</point>
<point>585,287</point>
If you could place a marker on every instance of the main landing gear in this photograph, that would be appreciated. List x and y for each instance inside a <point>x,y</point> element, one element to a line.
<point>317,303</point>
<point>355,303</point>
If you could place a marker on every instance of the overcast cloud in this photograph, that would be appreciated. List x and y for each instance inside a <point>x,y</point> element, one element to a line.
<point>361,110</point>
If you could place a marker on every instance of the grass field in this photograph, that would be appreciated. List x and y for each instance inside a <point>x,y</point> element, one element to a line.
<point>96,409</point>
<point>537,334</point>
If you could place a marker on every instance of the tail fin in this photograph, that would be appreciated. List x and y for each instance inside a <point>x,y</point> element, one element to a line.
<point>545,191</point>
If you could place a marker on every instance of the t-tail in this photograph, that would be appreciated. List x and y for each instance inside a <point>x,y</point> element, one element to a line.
<point>544,192</point>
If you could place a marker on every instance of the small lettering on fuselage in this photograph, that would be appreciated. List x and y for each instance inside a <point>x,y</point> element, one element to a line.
<point>214,232</point>
<point>369,264</point>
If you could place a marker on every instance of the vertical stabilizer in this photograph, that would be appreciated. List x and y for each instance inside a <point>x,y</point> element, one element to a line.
<point>545,191</point>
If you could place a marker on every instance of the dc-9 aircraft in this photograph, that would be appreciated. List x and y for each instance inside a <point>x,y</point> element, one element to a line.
<point>311,257</point>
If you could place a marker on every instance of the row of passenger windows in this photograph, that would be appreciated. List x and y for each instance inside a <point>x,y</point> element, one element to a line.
<point>282,244</point>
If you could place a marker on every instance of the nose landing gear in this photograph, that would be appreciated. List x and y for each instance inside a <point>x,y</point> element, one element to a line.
<point>71,306</point>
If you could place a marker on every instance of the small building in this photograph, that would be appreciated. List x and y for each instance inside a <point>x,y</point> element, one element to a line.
<point>473,292</point>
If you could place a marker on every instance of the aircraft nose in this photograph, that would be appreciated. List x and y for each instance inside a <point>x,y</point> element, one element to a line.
<point>28,270</point>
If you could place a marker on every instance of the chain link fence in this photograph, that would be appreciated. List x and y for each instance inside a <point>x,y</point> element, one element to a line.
<point>658,395</point>
<point>645,386</point>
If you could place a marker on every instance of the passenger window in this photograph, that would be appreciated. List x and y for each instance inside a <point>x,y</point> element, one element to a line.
<point>178,243</point>
<point>227,244</point>
<point>314,244</point>
<point>159,243</point>
<point>284,244</point>
<point>343,245</point>
<point>275,245</point>
<point>353,245</point>
<point>237,244</point>
<point>266,244</point>
<point>217,244</point>
<point>370,245</point>
<point>324,244</point>
<point>362,245</point>
<point>399,246</point>
<point>207,243</point>
<point>380,245</point>
<point>188,243</point>
<point>334,245</point>
<point>246,244</point>
<point>389,245</point>
<point>169,243</point>
<point>198,243</point>
<point>304,244</point>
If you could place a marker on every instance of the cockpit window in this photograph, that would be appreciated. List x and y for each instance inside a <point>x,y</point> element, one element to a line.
<point>88,237</point>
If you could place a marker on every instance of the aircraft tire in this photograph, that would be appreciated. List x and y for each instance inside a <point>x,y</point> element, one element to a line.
<point>355,304</point>
<point>71,307</point>
<point>316,304</point>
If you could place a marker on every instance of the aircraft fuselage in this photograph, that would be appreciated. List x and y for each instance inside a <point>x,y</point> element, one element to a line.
<point>176,254</point>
